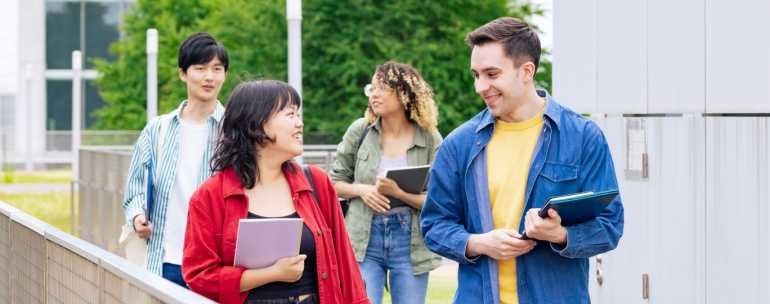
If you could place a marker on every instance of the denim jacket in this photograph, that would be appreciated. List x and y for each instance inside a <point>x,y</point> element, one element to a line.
<point>571,156</point>
<point>361,167</point>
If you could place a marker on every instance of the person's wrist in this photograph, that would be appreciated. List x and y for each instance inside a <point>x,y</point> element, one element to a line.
<point>133,221</point>
<point>401,194</point>
<point>471,249</point>
<point>561,237</point>
<point>273,273</point>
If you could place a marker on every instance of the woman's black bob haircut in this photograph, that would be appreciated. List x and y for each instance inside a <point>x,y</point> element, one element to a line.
<point>250,106</point>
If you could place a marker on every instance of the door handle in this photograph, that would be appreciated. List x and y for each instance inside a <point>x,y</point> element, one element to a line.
<point>599,271</point>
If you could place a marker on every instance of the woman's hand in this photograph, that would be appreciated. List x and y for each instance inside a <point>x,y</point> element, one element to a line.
<point>373,198</point>
<point>289,269</point>
<point>388,187</point>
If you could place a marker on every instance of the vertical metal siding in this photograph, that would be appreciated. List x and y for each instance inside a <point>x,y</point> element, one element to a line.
<point>622,58</point>
<point>574,57</point>
<point>737,211</point>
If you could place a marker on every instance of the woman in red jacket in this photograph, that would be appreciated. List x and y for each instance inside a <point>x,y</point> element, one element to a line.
<point>256,178</point>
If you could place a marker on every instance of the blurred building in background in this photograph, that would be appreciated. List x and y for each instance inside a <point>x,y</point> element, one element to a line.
<point>38,38</point>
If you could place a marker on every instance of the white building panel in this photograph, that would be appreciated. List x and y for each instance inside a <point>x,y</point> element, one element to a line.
<point>574,55</point>
<point>737,56</point>
<point>622,56</point>
<point>678,209</point>
<point>621,280</point>
<point>31,95</point>
<point>9,55</point>
<point>675,56</point>
<point>737,150</point>
<point>664,214</point>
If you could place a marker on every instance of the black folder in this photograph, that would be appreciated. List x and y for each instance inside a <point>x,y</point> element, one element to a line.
<point>410,179</point>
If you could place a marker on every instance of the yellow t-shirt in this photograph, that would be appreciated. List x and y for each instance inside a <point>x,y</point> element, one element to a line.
<point>508,160</point>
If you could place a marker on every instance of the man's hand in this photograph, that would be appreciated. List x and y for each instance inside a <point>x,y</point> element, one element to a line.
<point>499,244</point>
<point>545,229</point>
<point>142,227</point>
<point>375,200</point>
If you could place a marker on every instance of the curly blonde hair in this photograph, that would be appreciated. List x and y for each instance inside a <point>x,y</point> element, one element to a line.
<point>412,91</point>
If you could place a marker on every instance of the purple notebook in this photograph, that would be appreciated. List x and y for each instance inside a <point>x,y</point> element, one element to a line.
<point>261,242</point>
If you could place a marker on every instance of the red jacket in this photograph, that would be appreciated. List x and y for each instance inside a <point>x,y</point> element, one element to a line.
<point>212,225</point>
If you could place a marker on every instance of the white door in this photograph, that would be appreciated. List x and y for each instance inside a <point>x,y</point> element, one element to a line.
<point>737,209</point>
<point>621,268</point>
<point>660,258</point>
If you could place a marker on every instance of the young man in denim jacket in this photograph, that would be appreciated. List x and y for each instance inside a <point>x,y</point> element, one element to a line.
<point>494,172</point>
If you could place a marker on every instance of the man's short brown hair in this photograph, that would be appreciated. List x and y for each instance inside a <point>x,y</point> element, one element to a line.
<point>519,39</point>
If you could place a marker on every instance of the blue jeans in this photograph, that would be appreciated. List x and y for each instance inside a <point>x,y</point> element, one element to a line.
<point>388,256</point>
<point>311,299</point>
<point>173,273</point>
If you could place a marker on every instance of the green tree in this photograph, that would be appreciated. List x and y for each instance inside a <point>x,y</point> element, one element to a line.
<point>343,41</point>
<point>252,31</point>
<point>346,40</point>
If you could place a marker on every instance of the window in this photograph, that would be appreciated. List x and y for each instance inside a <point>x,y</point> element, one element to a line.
<point>58,104</point>
<point>86,25</point>
<point>102,21</point>
<point>62,25</point>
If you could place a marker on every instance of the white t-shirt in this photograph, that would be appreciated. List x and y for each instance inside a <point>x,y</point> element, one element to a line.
<point>387,163</point>
<point>192,145</point>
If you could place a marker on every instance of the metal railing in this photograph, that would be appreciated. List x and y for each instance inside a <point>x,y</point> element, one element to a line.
<point>100,195</point>
<point>100,189</point>
<point>61,140</point>
<point>320,155</point>
<point>41,264</point>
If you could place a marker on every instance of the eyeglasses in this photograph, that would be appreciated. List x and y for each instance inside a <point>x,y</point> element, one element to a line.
<point>369,89</point>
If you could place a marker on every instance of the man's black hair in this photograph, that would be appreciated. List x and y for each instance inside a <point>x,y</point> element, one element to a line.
<point>200,48</point>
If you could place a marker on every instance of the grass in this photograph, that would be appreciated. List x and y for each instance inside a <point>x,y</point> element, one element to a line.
<point>50,207</point>
<point>61,176</point>
<point>441,289</point>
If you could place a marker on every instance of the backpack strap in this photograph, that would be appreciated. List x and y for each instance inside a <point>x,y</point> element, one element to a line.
<point>309,177</point>
<point>361,141</point>
<point>363,136</point>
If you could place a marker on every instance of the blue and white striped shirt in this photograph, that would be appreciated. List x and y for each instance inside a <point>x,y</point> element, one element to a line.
<point>165,174</point>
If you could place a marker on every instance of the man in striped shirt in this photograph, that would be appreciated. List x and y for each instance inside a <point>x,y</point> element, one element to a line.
<point>175,148</point>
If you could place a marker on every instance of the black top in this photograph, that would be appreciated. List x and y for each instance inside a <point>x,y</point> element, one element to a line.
<point>307,284</point>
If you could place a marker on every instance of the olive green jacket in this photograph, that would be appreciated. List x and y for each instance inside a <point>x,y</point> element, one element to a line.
<point>361,168</point>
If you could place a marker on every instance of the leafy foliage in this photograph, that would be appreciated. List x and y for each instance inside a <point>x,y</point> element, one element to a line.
<point>343,41</point>
<point>252,31</point>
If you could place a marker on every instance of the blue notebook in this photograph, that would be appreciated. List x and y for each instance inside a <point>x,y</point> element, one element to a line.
<point>579,207</point>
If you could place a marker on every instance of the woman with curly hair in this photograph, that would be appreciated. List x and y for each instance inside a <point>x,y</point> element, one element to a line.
<point>398,130</point>
<point>256,177</point>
